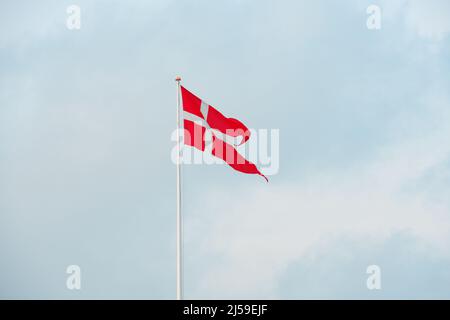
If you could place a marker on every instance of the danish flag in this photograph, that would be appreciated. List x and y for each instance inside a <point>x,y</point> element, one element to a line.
<point>199,117</point>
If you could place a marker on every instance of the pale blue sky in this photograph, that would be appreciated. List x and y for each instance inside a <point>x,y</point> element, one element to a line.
<point>364,119</point>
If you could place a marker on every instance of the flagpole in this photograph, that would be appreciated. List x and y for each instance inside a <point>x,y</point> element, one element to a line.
<point>179,244</point>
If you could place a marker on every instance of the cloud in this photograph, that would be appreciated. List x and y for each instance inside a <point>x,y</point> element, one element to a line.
<point>271,227</point>
<point>26,23</point>
<point>85,150</point>
<point>430,19</point>
<point>337,269</point>
<point>427,19</point>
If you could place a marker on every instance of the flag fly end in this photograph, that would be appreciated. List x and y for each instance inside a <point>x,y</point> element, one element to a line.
<point>267,180</point>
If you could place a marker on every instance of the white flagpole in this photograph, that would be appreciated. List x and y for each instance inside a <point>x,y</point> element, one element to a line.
<point>179,218</point>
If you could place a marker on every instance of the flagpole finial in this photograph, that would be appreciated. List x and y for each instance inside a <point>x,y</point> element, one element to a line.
<point>178,78</point>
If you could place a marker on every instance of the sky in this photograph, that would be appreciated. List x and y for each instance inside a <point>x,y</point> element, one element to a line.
<point>86,177</point>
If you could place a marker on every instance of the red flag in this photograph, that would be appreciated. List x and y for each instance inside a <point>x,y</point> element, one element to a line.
<point>207,117</point>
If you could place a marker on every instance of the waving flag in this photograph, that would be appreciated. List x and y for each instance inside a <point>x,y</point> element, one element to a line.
<point>199,116</point>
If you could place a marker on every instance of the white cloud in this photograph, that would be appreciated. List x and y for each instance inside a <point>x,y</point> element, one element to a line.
<point>274,225</point>
<point>428,19</point>
<point>118,80</point>
<point>25,23</point>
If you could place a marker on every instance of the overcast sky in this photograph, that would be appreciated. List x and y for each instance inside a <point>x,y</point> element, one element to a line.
<point>86,178</point>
